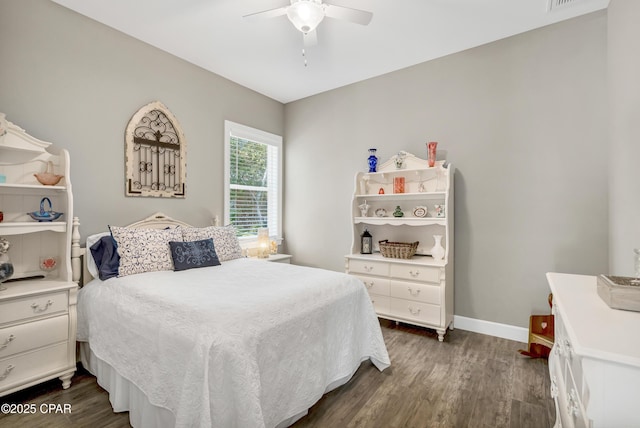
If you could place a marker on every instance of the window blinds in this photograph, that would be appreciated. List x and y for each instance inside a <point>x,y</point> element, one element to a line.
<point>253,186</point>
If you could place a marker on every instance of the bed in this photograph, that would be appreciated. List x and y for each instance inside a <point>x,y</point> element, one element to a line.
<point>241,343</point>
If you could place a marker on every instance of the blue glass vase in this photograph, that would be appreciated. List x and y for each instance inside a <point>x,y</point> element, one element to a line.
<point>373,160</point>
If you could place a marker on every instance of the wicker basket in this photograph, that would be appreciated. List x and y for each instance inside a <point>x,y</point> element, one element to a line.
<point>398,250</point>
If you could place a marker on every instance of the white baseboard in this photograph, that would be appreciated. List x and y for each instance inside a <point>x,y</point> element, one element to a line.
<point>505,331</point>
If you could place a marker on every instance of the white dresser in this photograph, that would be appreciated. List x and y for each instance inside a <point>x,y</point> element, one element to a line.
<point>595,362</point>
<point>37,334</point>
<point>407,290</point>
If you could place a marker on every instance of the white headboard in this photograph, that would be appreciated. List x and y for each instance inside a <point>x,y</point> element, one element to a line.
<point>154,221</point>
<point>157,221</point>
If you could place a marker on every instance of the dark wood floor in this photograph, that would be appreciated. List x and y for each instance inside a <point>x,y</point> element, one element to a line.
<point>469,380</point>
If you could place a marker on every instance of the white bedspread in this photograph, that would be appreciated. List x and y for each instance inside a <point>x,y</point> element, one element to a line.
<point>246,344</point>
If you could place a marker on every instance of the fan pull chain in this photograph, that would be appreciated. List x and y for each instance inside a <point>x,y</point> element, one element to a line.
<point>304,56</point>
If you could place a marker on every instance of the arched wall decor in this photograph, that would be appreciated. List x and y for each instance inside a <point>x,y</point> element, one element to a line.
<point>156,151</point>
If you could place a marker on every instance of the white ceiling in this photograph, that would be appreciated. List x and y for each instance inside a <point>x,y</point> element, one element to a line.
<point>266,55</point>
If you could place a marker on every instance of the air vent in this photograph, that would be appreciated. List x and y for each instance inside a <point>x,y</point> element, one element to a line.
<point>561,4</point>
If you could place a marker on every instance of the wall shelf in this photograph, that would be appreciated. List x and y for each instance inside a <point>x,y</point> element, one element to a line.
<point>19,188</point>
<point>401,221</point>
<point>22,227</point>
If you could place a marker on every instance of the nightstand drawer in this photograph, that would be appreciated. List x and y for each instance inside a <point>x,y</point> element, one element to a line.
<point>375,285</point>
<point>36,334</point>
<point>421,312</point>
<point>24,368</point>
<point>415,291</point>
<point>369,268</point>
<point>33,306</point>
<point>416,273</point>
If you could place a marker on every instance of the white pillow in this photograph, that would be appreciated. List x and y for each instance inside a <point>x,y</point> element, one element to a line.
<point>224,238</point>
<point>91,263</point>
<point>144,250</point>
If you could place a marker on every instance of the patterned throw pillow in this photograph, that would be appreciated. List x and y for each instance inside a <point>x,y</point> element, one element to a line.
<point>224,239</point>
<point>144,250</point>
<point>195,254</point>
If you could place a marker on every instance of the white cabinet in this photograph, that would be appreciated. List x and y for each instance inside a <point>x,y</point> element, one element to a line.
<point>594,364</point>
<point>418,290</point>
<point>37,308</point>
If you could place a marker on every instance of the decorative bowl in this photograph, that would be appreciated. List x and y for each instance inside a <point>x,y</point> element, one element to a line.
<point>45,215</point>
<point>48,179</point>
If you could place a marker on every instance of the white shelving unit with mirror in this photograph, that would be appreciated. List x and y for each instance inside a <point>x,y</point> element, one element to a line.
<point>38,301</point>
<point>416,290</point>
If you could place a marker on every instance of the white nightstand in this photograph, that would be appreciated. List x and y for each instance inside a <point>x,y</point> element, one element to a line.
<point>279,258</point>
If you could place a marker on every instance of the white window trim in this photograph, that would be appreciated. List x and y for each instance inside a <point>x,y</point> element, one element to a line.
<point>245,132</point>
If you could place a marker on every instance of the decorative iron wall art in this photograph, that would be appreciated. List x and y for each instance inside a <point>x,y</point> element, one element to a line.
<point>155,154</point>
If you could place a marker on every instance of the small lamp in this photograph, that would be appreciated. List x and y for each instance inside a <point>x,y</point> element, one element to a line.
<point>366,242</point>
<point>263,243</point>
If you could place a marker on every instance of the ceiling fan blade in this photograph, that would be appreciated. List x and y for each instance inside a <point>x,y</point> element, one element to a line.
<point>265,14</point>
<point>356,16</point>
<point>310,38</point>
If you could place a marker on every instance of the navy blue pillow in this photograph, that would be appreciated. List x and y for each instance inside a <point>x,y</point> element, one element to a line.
<point>195,254</point>
<point>105,254</point>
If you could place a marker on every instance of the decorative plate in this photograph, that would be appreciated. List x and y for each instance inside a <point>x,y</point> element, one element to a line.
<point>381,212</point>
<point>420,211</point>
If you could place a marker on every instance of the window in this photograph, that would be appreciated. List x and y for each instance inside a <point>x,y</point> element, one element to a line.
<point>253,181</point>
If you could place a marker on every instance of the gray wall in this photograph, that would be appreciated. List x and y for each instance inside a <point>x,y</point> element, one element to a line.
<point>75,82</point>
<point>624,136</point>
<point>522,119</point>
<point>524,122</point>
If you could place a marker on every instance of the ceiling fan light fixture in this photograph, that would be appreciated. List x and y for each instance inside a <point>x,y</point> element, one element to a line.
<point>305,15</point>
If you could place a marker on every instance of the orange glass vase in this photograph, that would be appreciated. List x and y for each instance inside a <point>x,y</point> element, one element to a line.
<point>398,185</point>
<point>431,149</point>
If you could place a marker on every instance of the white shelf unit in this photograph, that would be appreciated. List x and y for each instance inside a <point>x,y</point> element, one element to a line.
<point>418,290</point>
<point>38,308</point>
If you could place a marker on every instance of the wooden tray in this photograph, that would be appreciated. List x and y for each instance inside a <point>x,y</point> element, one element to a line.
<point>619,292</point>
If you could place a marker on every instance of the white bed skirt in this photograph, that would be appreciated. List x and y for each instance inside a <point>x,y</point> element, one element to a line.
<point>126,397</point>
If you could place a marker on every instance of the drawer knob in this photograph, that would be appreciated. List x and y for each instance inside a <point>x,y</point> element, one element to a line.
<point>414,293</point>
<point>6,372</point>
<point>7,342</point>
<point>37,308</point>
<point>414,274</point>
<point>368,268</point>
<point>414,311</point>
<point>368,284</point>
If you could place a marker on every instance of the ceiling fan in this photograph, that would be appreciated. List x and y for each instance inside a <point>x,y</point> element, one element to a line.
<point>305,15</point>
